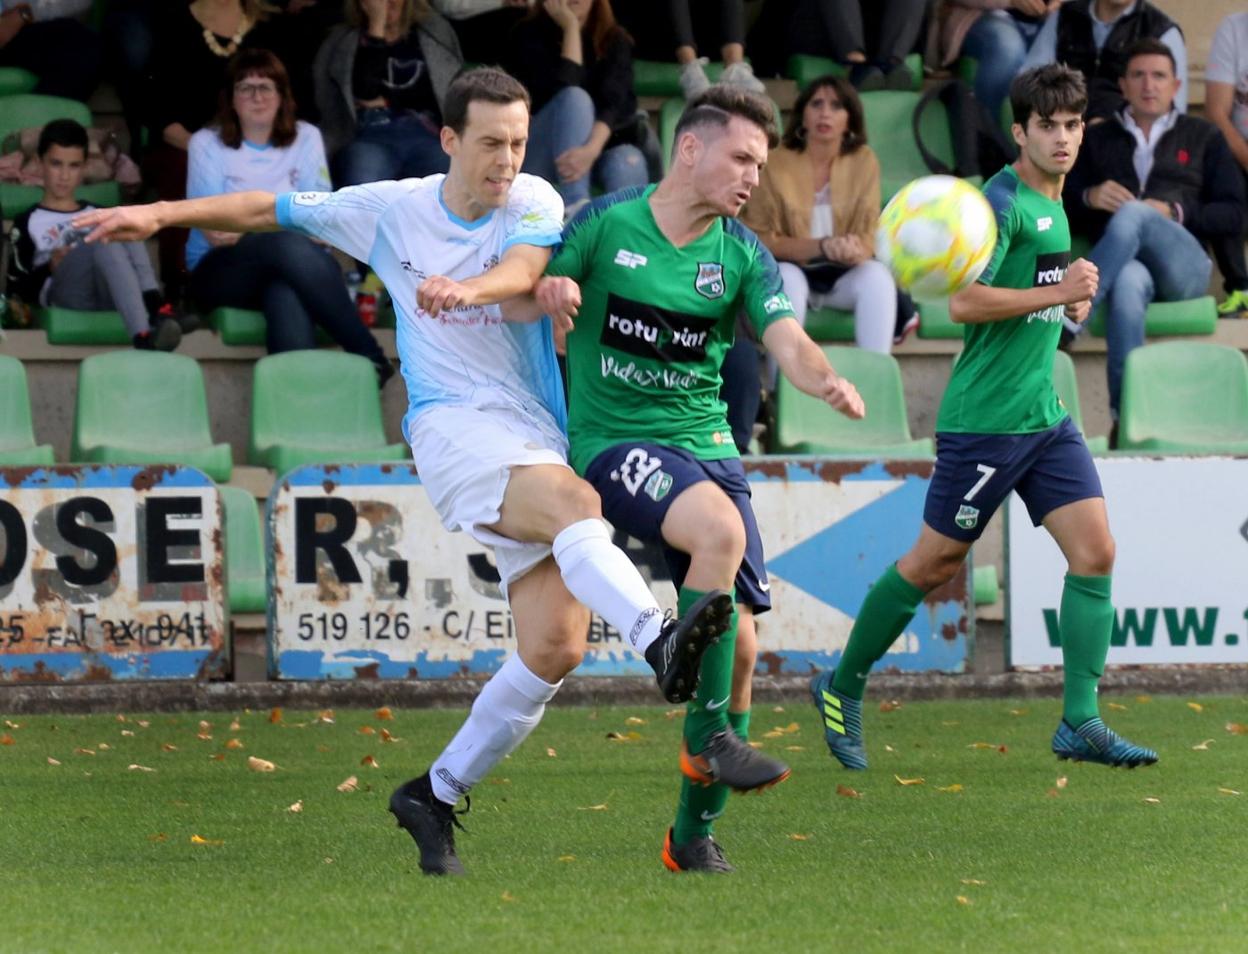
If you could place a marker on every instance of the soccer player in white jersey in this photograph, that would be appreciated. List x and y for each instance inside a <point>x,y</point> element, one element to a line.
<point>486,418</point>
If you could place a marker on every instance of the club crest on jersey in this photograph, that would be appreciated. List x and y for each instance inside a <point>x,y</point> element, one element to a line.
<point>967,518</point>
<point>710,280</point>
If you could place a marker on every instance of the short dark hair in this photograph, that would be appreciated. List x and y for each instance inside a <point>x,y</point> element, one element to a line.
<point>482,84</point>
<point>65,133</point>
<point>1046,90</point>
<point>855,130</point>
<point>1149,46</point>
<point>718,104</point>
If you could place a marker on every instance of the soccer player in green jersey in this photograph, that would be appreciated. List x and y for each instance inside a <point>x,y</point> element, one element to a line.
<point>1001,427</point>
<point>659,276</point>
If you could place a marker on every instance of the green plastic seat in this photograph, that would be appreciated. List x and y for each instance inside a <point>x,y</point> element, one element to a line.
<point>17,433</point>
<point>145,407</point>
<point>24,110</point>
<point>985,586</point>
<point>1185,397</point>
<point>806,425</point>
<point>830,324</point>
<point>804,69</point>
<point>245,585</point>
<point>14,80</point>
<point>889,119</point>
<point>935,323</point>
<point>1194,316</point>
<point>652,78</point>
<point>669,116</point>
<point>317,407</point>
<point>238,326</point>
<point>1067,387</point>
<point>16,199</point>
<point>66,326</point>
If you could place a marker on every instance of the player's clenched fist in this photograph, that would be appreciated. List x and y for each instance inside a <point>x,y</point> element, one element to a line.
<point>561,299</point>
<point>1080,282</point>
<point>437,294</point>
<point>1079,311</point>
<point>843,396</point>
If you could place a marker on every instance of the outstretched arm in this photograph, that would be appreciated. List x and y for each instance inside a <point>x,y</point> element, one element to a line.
<point>232,212</point>
<point>804,363</point>
<point>516,274</point>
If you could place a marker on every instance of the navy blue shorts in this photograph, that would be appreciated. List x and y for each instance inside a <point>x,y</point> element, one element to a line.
<point>637,484</point>
<point>976,472</point>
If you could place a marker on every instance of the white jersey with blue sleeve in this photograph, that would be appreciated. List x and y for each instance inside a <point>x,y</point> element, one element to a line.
<point>468,356</point>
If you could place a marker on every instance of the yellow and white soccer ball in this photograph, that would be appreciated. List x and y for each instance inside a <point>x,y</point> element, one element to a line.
<point>936,235</point>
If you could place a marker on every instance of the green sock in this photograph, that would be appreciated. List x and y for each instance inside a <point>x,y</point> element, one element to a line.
<point>889,606</point>
<point>700,805</point>
<point>1086,622</point>
<point>740,722</point>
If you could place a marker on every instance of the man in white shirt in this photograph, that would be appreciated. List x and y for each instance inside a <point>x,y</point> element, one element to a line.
<point>1226,106</point>
<point>486,418</point>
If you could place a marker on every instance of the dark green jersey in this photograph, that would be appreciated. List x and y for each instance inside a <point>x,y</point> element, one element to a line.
<point>1003,382</point>
<point>654,325</point>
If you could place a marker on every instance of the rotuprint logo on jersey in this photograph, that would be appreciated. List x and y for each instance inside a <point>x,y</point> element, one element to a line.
<point>651,332</point>
<point>710,280</point>
<point>1050,270</point>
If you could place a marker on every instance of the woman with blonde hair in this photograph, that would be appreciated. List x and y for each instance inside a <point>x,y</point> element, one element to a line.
<point>380,81</point>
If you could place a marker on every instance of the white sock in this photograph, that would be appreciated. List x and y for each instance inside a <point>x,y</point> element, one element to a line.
<point>508,708</point>
<point>601,576</point>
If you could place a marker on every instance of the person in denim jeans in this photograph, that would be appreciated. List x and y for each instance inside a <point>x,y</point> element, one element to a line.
<point>1151,185</point>
<point>577,64</point>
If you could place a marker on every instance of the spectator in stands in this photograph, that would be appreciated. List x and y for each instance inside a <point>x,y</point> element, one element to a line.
<point>128,43</point>
<point>301,28</point>
<point>43,37</point>
<point>816,208</point>
<point>484,27</point>
<point>728,17</point>
<point>996,35</point>
<point>51,264</point>
<point>1226,106</point>
<point>1093,36</point>
<point>835,28</point>
<point>195,44</point>
<point>577,63</point>
<point>256,143</point>
<point>380,80</point>
<point>1150,185</point>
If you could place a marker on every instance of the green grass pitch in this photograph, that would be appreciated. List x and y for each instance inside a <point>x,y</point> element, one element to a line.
<point>999,848</point>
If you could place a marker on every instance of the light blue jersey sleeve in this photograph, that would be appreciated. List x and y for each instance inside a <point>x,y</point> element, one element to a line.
<point>535,214</point>
<point>346,219</point>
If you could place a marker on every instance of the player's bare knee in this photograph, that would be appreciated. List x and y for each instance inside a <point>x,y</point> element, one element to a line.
<point>577,500</point>
<point>929,572</point>
<point>1094,557</point>
<point>721,540</point>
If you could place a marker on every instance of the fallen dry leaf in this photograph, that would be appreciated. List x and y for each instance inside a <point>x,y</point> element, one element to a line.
<point>1116,706</point>
<point>217,757</point>
<point>260,765</point>
<point>367,730</point>
<point>954,788</point>
<point>9,724</point>
<point>120,717</point>
<point>234,744</point>
<point>847,792</point>
<point>963,899</point>
<point>634,720</point>
<point>673,713</point>
<point>126,732</point>
<point>1143,700</point>
<point>236,726</point>
<point>384,714</point>
<point>908,781</point>
<point>296,808</point>
<point>508,896</point>
<point>755,744</point>
<point>387,737</point>
<point>974,881</point>
<point>1196,707</point>
<point>369,761</point>
<point>143,723</point>
<point>948,722</point>
<point>493,780</point>
<point>795,748</point>
<point>77,751</point>
<point>773,734</point>
<point>135,767</point>
<point>796,837</point>
<point>1062,782</point>
<point>1052,793</point>
<point>325,715</point>
<point>350,785</point>
<point>205,726</point>
<point>204,736</point>
<point>1229,791</point>
<point>168,747</point>
<point>777,708</point>
<point>103,746</point>
<point>1203,746</point>
<point>890,705</point>
<point>52,761</point>
<point>592,808</point>
<point>981,745</point>
<point>275,715</point>
<point>1018,712</point>
<point>1003,749</point>
<point>198,840</point>
<point>889,748</point>
<point>1237,728</point>
<point>7,739</point>
<point>566,858</point>
<point>551,753</point>
<point>159,836</point>
<point>1150,800</point>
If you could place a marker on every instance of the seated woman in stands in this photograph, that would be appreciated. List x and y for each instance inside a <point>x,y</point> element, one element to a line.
<point>256,143</point>
<point>817,208</point>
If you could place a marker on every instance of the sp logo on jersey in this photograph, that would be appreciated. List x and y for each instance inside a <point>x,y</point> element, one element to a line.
<point>710,280</point>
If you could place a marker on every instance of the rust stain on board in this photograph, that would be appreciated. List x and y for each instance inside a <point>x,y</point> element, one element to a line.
<point>770,663</point>
<point>948,632</point>
<point>149,477</point>
<point>371,671</point>
<point>328,485</point>
<point>94,672</point>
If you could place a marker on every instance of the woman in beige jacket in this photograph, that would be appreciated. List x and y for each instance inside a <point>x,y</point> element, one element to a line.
<point>816,209</point>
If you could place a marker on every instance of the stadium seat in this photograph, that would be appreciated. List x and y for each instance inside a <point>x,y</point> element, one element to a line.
<point>802,69</point>
<point>1185,397</point>
<point>14,80</point>
<point>245,586</point>
<point>16,199</point>
<point>145,407</point>
<point>1195,316</point>
<point>806,425</point>
<point>984,585</point>
<point>24,110</point>
<point>66,326</point>
<point>830,324</point>
<point>1067,387</point>
<point>317,407</point>
<point>17,434</point>
<point>238,326</point>
<point>934,321</point>
<point>653,78</point>
<point>889,119</point>
<point>669,115</point>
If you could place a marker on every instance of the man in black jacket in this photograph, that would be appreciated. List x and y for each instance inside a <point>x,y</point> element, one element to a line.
<point>1151,185</point>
